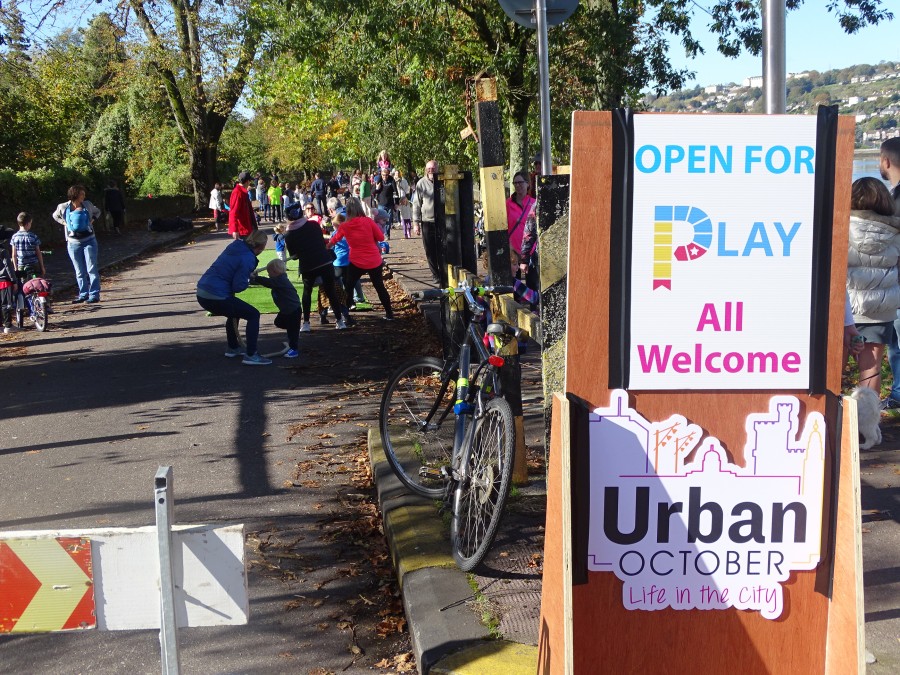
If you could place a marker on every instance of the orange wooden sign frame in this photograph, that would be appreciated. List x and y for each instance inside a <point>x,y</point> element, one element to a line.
<point>584,627</point>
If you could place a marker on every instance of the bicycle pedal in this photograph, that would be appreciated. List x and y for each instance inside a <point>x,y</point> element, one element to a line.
<point>426,472</point>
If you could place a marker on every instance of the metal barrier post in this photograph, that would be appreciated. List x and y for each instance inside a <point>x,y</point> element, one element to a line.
<point>168,636</point>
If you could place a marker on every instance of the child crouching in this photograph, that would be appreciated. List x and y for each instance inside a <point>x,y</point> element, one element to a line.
<point>285,297</point>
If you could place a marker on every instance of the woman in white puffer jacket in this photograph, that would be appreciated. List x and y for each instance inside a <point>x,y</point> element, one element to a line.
<point>872,277</point>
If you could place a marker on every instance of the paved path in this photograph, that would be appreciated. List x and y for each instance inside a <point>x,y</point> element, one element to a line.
<point>93,406</point>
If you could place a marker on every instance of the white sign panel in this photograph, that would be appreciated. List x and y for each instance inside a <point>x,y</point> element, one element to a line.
<point>709,534</point>
<point>209,566</point>
<point>722,251</point>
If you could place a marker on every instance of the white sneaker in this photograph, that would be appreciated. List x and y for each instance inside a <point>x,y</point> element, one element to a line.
<point>340,325</point>
<point>10,329</point>
<point>305,327</point>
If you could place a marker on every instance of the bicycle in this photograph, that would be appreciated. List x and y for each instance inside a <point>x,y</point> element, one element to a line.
<point>33,297</point>
<point>466,464</point>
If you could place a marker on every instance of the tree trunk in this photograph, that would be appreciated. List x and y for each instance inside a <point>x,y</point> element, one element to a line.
<point>517,111</point>
<point>203,171</point>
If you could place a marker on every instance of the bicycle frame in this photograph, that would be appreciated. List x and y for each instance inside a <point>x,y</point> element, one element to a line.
<point>473,337</point>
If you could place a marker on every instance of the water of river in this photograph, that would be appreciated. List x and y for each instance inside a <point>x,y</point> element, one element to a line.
<point>865,165</point>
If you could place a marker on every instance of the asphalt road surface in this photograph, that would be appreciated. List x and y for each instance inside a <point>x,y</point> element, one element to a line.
<point>91,408</point>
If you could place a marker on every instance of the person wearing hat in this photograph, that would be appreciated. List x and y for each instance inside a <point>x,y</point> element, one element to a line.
<point>241,219</point>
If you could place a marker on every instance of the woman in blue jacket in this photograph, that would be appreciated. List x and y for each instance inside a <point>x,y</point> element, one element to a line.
<point>227,276</point>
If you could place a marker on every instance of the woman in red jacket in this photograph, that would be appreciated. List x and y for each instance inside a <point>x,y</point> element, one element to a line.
<point>363,235</point>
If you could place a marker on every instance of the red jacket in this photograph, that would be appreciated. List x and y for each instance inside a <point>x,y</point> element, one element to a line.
<point>363,235</point>
<point>240,215</point>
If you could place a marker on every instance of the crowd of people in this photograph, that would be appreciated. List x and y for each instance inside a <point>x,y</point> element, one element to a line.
<point>872,320</point>
<point>336,229</point>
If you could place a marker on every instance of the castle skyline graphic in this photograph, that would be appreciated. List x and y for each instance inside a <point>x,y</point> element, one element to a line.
<point>767,513</point>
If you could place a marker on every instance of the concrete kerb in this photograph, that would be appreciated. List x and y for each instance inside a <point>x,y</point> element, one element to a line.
<point>447,636</point>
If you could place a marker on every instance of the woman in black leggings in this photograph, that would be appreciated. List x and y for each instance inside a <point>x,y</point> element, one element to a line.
<point>304,242</point>
<point>363,235</point>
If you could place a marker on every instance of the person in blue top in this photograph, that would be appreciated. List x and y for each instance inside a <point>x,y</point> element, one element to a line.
<point>78,217</point>
<point>216,290</point>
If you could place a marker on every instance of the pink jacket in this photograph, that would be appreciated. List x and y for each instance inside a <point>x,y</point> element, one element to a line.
<point>363,235</point>
<point>515,220</point>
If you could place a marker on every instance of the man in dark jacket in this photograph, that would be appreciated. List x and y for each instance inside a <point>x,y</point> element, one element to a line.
<point>385,191</point>
<point>318,189</point>
<point>114,204</point>
<point>305,244</point>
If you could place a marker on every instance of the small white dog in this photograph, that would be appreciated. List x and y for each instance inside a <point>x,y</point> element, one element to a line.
<point>868,413</point>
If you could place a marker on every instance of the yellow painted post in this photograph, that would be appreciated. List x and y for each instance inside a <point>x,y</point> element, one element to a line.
<point>491,160</point>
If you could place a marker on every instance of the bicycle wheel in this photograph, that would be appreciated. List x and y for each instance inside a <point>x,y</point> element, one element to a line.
<point>39,313</point>
<point>415,448</point>
<point>481,493</point>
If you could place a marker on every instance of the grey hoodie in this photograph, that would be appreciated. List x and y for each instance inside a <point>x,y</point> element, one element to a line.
<point>423,204</point>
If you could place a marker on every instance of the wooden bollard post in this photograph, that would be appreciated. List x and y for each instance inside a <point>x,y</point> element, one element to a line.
<point>491,160</point>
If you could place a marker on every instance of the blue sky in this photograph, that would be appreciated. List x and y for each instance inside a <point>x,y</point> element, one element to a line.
<point>814,41</point>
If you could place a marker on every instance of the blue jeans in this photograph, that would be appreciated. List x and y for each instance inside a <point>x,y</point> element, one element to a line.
<point>235,308</point>
<point>84,258</point>
<point>894,360</point>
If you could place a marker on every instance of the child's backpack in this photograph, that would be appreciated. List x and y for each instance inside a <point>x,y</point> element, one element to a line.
<point>78,222</point>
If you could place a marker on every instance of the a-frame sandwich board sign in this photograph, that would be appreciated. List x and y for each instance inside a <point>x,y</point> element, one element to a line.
<point>702,507</point>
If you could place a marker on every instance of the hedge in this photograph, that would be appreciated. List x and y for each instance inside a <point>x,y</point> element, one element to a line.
<point>21,189</point>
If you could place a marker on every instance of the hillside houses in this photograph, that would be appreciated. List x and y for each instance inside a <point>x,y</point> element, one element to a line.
<point>870,93</point>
